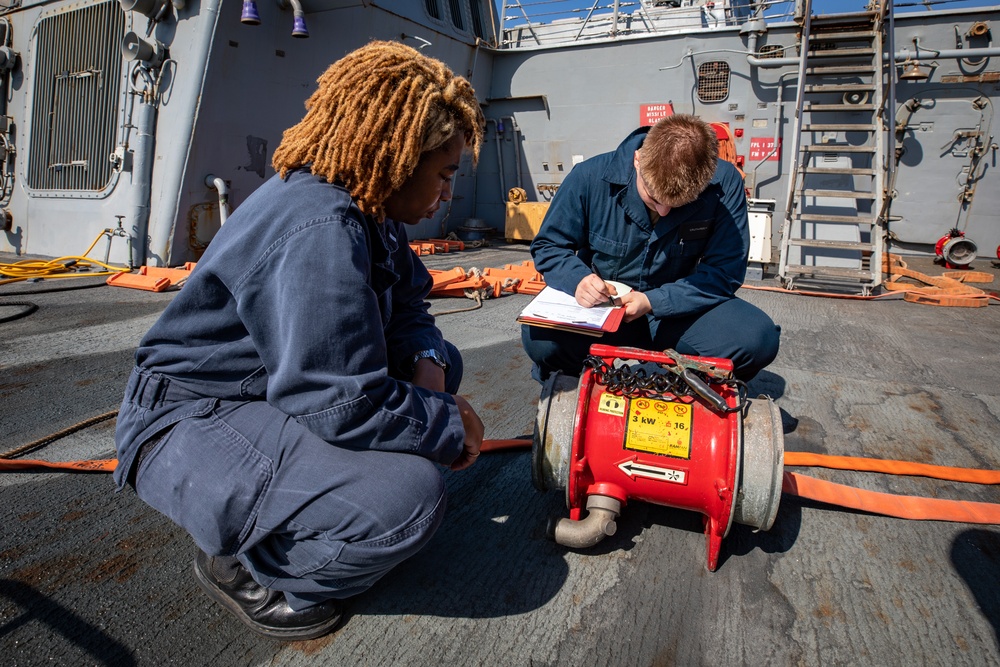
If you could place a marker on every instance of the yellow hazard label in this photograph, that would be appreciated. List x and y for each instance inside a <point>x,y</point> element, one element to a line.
<point>659,427</point>
<point>611,405</point>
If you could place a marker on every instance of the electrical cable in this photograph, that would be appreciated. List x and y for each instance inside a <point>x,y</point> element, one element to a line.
<point>61,267</point>
<point>41,442</point>
<point>28,309</point>
<point>68,288</point>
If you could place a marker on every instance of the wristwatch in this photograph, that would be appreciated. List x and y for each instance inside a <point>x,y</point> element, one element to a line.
<point>433,355</point>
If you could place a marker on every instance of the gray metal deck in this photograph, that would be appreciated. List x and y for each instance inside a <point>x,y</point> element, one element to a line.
<point>88,576</point>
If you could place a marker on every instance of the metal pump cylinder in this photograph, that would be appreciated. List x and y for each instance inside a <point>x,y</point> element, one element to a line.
<point>955,250</point>
<point>605,446</point>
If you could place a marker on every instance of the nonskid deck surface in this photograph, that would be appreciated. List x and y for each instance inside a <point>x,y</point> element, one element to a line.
<point>88,576</point>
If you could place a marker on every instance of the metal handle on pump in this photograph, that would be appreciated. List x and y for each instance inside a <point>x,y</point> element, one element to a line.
<point>701,388</point>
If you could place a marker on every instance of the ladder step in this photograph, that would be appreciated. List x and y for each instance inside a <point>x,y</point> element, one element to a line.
<point>837,148</point>
<point>831,245</point>
<point>841,53</point>
<point>809,106</point>
<point>848,219</point>
<point>838,170</point>
<point>832,271</point>
<point>845,19</point>
<point>843,194</point>
<point>840,69</point>
<point>843,35</point>
<point>837,127</point>
<point>838,87</point>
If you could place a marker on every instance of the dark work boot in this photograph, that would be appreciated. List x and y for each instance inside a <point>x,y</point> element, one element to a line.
<point>263,610</point>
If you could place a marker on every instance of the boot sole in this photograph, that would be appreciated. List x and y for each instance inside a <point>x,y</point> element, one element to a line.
<point>286,634</point>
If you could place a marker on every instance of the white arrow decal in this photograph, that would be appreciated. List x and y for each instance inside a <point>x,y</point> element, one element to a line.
<point>633,469</point>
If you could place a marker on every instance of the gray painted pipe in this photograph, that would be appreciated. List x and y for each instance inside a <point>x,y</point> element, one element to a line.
<point>516,131</point>
<point>900,56</point>
<point>299,28</point>
<point>142,177</point>
<point>496,135</point>
<point>598,524</point>
<point>178,150</point>
<point>923,53</point>
<point>217,183</point>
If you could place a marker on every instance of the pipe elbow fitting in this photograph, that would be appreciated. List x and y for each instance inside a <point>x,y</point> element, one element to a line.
<point>217,183</point>
<point>250,15</point>
<point>299,28</point>
<point>598,524</point>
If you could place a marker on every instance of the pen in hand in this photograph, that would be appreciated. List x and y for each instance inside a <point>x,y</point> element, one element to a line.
<point>612,301</point>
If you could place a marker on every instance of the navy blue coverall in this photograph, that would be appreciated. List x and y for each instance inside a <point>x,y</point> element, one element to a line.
<point>689,265</point>
<point>272,400</point>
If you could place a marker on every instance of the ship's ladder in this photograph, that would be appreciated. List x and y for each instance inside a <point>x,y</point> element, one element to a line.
<point>833,234</point>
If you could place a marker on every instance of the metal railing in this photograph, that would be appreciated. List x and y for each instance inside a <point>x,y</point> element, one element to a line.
<point>535,22</point>
<point>538,22</point>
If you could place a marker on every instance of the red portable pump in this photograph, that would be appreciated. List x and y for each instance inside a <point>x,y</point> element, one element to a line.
<point>662,428</point>
<point>955,251</point>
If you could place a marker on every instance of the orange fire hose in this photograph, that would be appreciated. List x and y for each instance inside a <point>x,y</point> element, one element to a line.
<point>99,465</point>
<point>890,467</point>
<point>887,504</point>
<point>803,486</point>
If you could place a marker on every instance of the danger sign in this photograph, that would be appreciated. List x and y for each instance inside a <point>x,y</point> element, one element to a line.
<point>650,113</point>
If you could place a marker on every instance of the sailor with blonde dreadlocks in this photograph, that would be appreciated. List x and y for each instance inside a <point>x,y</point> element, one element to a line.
<point>290,406</point>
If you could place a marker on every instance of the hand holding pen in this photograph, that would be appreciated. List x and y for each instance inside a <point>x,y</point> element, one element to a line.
<point>594,291</point>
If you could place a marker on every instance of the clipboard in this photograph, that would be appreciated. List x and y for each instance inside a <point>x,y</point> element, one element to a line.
<point>553,309</point>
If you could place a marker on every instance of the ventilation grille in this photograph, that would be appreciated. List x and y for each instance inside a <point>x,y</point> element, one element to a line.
<point>771,51</point>
<point>477,19</point>
<point>78,66</point>
<point>456,14</point>
<point>713,81</point>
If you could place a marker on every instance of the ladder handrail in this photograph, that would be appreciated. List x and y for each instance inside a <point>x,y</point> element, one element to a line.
<point>880,173</point>
<point>889,119</point>
<point>796,123</point>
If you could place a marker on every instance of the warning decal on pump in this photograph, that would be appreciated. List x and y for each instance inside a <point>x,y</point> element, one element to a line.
<point>659,427</point>
<point>611,405</point>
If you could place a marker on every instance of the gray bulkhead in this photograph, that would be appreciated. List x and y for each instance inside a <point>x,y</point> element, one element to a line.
<point>574,100</point>
<point>224,95</point>
<point>228,90</point>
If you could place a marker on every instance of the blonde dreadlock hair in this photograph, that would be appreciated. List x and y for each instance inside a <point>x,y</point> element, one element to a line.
<point>377,110</point>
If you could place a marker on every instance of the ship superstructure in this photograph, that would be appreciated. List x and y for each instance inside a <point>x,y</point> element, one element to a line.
<point>148,121</point>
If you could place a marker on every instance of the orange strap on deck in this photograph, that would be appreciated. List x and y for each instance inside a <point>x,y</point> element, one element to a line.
<point>890,467</point>
<point>100,465</point>
<point>803,486</point>
<point>945,290</point>
<point>887,504</point>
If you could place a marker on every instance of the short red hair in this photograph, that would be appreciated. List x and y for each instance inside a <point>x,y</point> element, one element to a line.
<point>678,158</point>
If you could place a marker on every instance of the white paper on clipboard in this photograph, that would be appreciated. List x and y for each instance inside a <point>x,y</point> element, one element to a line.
<point>551,304</point>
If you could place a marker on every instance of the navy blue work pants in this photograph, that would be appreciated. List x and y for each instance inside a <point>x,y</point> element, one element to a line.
<point>733,330</point>
<point>305,517</point>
